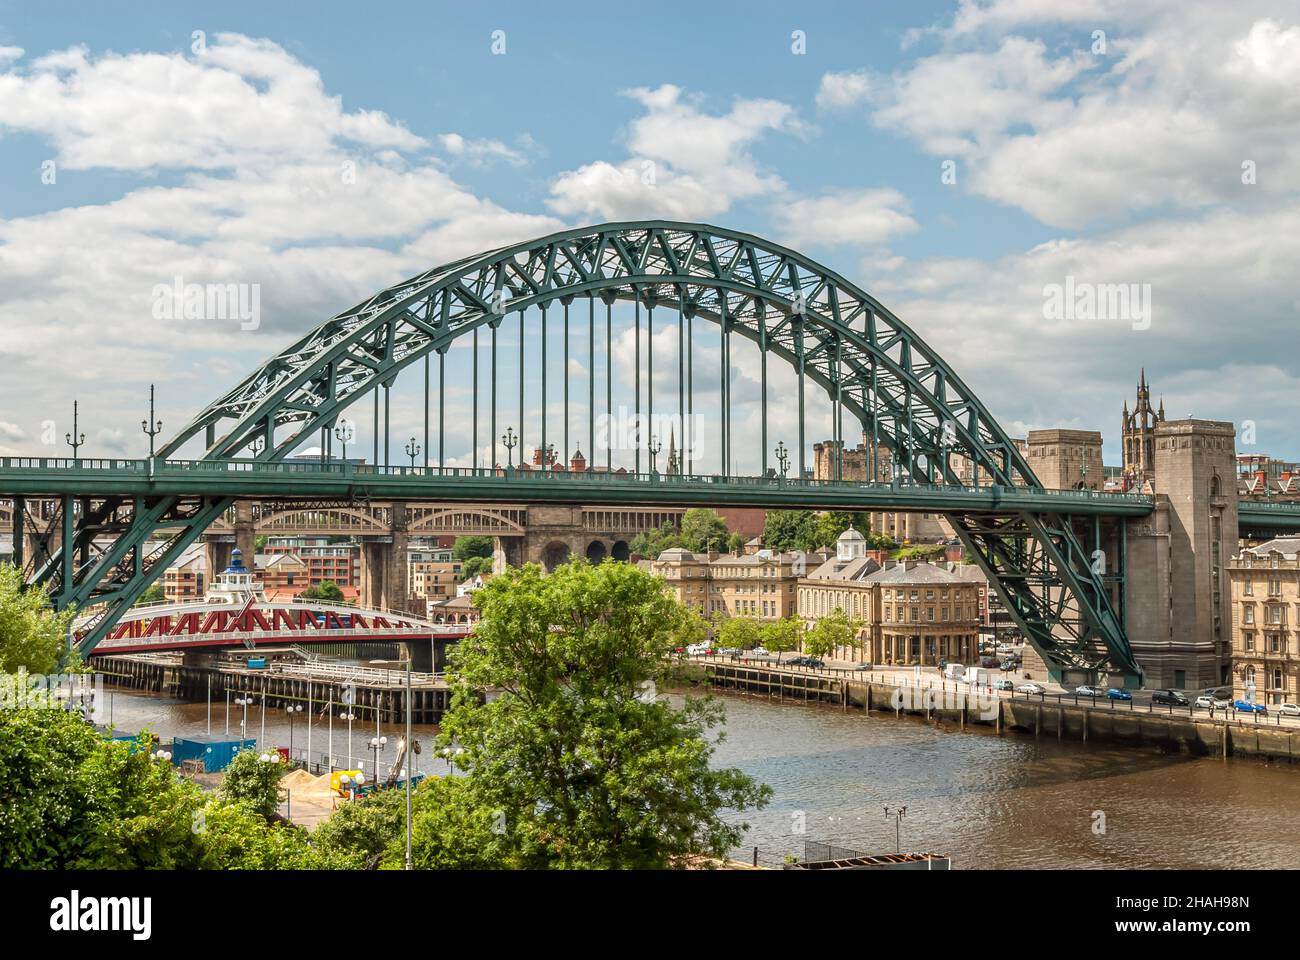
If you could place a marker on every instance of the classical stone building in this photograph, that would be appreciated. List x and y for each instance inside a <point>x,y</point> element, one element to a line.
<point>911,612</point>
<point>760,585</point>
<point>1265,584</point>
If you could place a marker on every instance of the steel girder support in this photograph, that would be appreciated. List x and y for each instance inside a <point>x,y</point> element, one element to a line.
<point>107,584</point>
<point>1047,581</point>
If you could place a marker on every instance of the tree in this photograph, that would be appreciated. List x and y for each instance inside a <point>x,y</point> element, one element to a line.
<point>577,761</point>
<point>736,542</point>
<point>474,566</point>
<point>651,543</point>
<point>153,593</point>
<point>253,781</point>
<point>790,530</point>
<point>328,591</point>
<point>739,632</point>
<point>831,631</point>
<point>782,636</point>
<point>32,635</point>
<point>73,800</point>
<point>466,547</point>
<point>703,529</point>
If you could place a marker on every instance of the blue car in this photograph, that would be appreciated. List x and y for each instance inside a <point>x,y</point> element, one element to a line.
<point>1117,694</point>
<point>1245,706</point>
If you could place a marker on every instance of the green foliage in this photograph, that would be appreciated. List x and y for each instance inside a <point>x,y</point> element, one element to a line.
<point>152,594</point>
<point>73,800</point>
<point>782,636</point>
<point>254,782</point>
<point>703,529</point>
<point>741,632</point>
<point>474,566</point>
<point>790,530</point>
<point>466,547</point>
<point>259,543</point>
<point>328,591</point>
<point>32,635</point>
<point>651,543</point>
<point>831,631</point>
<point>736,542</point>
<point>922,551</point>
<point>577,760</point>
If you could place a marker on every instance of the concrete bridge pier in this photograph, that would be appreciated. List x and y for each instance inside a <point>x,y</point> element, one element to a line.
<point>384,566</point>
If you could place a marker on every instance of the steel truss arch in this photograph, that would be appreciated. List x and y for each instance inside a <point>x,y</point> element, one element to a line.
<point>878,369</point>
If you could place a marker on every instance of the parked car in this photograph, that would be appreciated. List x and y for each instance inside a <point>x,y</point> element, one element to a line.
<point>1115,693</point>
<point>1004,685</point>
<point>1289,709</point>
<point>813,662</point>
<point>1169,697</point>
<point>863,666</point>
<point>1245,706</point>
<point>1218,693</point>
<point>1204,703</point>
<point>698,649</point>
<point>1009,665</point>
<point>759,652</point>
<point>729,652</point>
<point>1030,688</point>
<point>1222,703</point>
<point>1089,691</point>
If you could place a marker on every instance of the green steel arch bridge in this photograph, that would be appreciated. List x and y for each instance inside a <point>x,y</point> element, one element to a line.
<point>931,445</point>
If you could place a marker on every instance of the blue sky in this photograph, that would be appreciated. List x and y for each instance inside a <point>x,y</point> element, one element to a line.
<point>1120,163</point>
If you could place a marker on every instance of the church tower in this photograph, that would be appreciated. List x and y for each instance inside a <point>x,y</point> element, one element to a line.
<point>1139,436</point>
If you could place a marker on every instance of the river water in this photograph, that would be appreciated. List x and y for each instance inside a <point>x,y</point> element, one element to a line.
<point>988,801</point>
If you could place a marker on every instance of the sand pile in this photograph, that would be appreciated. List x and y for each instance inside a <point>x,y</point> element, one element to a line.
<point>303,784</point>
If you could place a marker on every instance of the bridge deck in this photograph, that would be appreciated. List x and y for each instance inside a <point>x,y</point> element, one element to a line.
<point>271,480</point>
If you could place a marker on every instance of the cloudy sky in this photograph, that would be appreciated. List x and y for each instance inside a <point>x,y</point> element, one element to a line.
<point>956,160</point>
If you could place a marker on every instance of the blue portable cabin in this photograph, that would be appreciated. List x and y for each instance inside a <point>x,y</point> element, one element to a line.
<point>215,754</point>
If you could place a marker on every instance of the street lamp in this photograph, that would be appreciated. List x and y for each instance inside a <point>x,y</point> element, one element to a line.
<point>406,759</point>
<point>243,723</point>
<point>898,816</point>
<point>349,716</point>
<point>292,709</point>
<point>377,744</point>
<point>653,448</point>
<point>509,441</point>
<point>782,457</point>
<point>344,433</point>
<point>162,755</point>
<point>151,431</point>
<point>412,450</point>
<point>74,439</point>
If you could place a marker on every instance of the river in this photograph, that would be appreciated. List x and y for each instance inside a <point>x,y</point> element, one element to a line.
<point>988,801</point>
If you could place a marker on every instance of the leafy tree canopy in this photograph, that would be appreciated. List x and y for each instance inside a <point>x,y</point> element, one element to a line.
<point>32,635</point>
<point>466,547</point>
<point>577,761</point>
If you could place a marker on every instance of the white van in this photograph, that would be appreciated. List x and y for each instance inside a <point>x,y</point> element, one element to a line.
<point>954,671</point>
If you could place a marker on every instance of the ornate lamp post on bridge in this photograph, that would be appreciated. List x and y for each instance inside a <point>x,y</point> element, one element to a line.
<point>412,451</point>
<point>653,448</point>
<point>155,429</point>
<point>74,439</point>
<point>509,441</point>
<point>344,433</point>
<point>782,457</point>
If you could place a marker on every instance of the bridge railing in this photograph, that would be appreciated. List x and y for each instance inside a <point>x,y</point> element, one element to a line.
<point>536,476</point>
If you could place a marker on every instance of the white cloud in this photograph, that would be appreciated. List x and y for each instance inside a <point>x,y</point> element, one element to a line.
<point>846,217</point>
<point>1224,303</point>
<point>683,163</point>
<point>1165,117</point>
<point>480,152</point>
<point>240,103</point>
<point>278,186</point>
